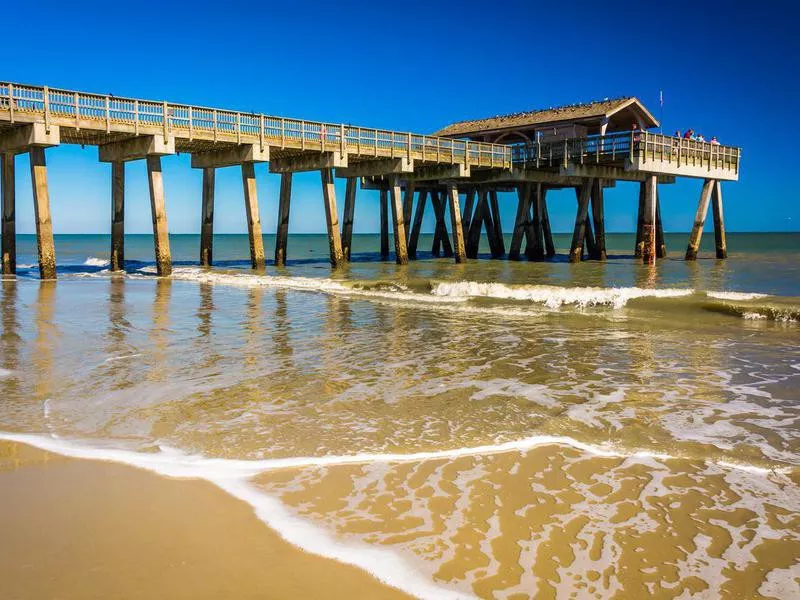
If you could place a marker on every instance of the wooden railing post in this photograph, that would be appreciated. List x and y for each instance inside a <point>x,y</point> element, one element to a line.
<point>238,128</point>
<point>409,149</point>
<point>166,120</point>
<point>46,100</point>
<point>108,114</point>
<point>342,142</point>
<point>136,117</point>
<point>11,101</point>
<point>77,112</point>
<point>214,114</point>
<point>191,125</point>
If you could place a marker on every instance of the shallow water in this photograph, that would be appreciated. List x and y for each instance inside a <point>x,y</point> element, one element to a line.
<point>506,429</point>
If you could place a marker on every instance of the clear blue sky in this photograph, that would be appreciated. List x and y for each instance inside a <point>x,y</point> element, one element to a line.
<point>725,71</point>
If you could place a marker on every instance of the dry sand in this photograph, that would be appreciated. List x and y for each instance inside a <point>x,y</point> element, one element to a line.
<point>82,529</point>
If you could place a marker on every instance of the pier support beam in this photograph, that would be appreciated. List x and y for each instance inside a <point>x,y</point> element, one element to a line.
<point>349,212</point>
<point>282,233</point>
<point>332,217</point>
<point>257,260</point>
<point>661,247</point>
<point>41,206</point>
<point>535,247</point>
<point>649,221</point>
<point>207,223</point>
<point>497,227</point>
<point>598,219</point>
<point>440,236</point>
<point>9,235</point>
<point>413,239</point>
<point>719,222</point>
<point>384,200</point>
<point>699,220</point>
<point>408,205</point>
<point>398,222</point>
<point>547,233</point>
<point>639,247</point>
<point>581,221</point>
<point>459,251</point>
<point>158,209</point>
<point>523,212</point>
<point>117,262</point>
<point>476,224</point>
<point>469,208</point>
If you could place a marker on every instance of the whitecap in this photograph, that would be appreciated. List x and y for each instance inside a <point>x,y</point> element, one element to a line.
<point>554,296</point>
<point>735,295</point>
<point>93,261</point>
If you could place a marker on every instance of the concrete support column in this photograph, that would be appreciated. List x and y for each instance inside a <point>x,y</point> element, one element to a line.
<point>469,208</point>
<point>649,220</point>
<point>598,219</point>
<point>699,220</point>
<point>282,237</point>
<point>117,216</point>
<point>159,211</point>
<point>41,205</point>
<point>459,251</point>
<point>207,224</point>
<point>400,245</point>
<point>719,222</point>
<point>253,221</point>
<point>475,226</point>
<point>332,217</point>
<point>535,248</point>
<point>581,221</point>
<point>9,235</point>
<point>349,212</point>
<point>384,223</point>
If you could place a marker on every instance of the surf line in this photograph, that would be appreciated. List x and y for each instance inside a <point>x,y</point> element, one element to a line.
<point>176,463</point>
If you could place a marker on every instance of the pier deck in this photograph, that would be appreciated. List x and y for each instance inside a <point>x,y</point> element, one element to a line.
<point>400,164</point>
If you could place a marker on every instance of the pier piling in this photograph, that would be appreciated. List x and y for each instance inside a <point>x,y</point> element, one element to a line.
<point>282,233</point>
<point>523,211</point>
<point>535,249</point>
<point>257,260</point>
<point>440,238</point>
<point>719,222</point>
<point>459,251</point>
<point>649,221</point>
<point>581,222</point>
<point>159,213</point>
<point>41,206</point>
<point>661,247</point>
<point>8,190</point>
<point>598,217</point>
<point>207,222</point>
<point>398,223</point>
<point>408,206</point>
<point>413,239</point>
<point>347,217</point>
<point>497,229</point>
<point>699,220</point>
<point>332,217</point>
<point>117,262</point>
<point>638,249</point>
<point>384,200</point>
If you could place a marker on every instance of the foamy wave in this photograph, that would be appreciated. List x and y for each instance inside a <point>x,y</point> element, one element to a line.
<point>93,261</point>
<point>554,296</point>
<point>735,295</point>
<point>303,284</point>
<point>5,373</point>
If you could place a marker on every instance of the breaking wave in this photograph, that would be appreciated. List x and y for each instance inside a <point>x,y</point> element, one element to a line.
<point>93,261</point>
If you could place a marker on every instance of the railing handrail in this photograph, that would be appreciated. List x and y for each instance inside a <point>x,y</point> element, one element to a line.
<point>170,116</point>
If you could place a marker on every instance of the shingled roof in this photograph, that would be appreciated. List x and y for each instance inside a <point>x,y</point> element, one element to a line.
<point>574,112</point>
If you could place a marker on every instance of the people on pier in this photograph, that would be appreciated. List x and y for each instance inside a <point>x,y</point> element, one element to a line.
<point>714,141</point>
<point>678,133</point>
<point>689,135</point>
<point>700,138</point>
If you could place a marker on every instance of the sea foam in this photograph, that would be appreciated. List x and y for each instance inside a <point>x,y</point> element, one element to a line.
<point>554,296</point>
<point>93,261</point>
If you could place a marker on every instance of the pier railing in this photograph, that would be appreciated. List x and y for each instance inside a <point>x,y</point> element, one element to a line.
<point>80,109</point>
<point>617,147</point>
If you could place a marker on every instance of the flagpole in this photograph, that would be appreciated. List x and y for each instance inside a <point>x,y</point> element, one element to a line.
<point>661,115</point>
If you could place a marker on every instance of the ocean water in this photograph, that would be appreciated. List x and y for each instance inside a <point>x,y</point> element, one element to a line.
<point>493,429</point>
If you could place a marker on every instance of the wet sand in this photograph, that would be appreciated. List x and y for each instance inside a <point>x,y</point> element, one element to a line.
<point>85,529</point>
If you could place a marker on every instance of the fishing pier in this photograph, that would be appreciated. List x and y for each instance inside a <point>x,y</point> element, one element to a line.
<point>586,147</point>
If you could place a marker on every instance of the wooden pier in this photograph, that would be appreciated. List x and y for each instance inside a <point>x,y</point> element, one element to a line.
<point>586,147</point>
